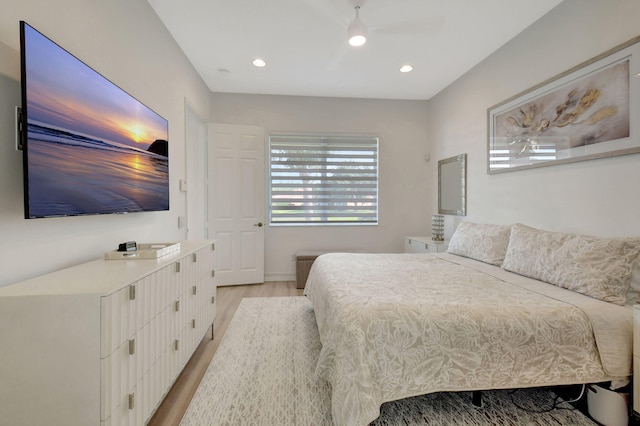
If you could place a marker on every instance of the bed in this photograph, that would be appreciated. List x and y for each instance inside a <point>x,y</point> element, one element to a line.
<point>506,307</point>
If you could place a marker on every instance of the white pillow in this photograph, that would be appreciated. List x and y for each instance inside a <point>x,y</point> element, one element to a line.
<point>598,267</point>
<point>484,242</point>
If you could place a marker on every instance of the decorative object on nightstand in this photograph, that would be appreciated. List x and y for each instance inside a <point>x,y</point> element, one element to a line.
<point>437,227</point>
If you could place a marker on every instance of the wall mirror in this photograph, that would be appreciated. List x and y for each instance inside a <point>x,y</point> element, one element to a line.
<point>452,185</point>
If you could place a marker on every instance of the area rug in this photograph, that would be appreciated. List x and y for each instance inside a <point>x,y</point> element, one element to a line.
<point>263,374</point>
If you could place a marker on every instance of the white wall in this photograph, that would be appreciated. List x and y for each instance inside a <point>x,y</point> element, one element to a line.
<point>126,42</point>
<point>404,187</point>
<point>598,197</point>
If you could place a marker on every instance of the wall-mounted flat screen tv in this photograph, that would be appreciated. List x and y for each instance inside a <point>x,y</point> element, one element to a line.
<point>88,146</point>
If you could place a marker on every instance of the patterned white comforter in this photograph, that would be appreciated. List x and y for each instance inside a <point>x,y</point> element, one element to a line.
<point>394,326</point>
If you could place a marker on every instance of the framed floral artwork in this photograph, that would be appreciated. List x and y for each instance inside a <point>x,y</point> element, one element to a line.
<point>590,111</point>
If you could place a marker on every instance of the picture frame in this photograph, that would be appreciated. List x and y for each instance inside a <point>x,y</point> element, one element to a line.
<point>589,111</point>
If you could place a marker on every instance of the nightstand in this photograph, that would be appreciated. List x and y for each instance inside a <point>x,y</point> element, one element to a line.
<point>424,245</point>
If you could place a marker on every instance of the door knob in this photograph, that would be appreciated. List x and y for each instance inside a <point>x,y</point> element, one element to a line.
<point>259,224</point>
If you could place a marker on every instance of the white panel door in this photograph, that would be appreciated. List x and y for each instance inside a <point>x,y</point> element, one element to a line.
<point>236,202</point>
<point>196,138</point>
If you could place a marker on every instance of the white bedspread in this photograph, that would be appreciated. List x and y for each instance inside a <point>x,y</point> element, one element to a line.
<point>394,326</point>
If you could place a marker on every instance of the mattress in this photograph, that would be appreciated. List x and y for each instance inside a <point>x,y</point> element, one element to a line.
<point>394,326</point>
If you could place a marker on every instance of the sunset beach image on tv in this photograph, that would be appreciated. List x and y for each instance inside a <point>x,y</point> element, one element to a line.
<point>90,148</point>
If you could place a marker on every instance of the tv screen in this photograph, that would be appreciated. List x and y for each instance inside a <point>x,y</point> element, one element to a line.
<point>89,147</point>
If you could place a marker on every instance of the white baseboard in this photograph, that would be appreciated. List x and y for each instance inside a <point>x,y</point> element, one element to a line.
<point>279,277</point>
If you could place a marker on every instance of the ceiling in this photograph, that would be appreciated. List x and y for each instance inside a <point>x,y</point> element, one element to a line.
<point>304,43</point>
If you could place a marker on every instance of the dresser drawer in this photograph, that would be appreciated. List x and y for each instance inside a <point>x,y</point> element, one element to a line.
<point>117,319</point>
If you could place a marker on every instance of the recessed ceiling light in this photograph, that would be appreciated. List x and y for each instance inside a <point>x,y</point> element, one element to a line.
<point>406,68</point>
<point>259,63</point>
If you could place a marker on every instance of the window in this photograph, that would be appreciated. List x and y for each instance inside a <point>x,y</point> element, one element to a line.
<point>327,180</point>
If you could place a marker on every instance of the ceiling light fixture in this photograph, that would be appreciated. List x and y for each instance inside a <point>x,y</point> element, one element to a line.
<point>357,30</point>
<point>406,68</point>
<point>259,63</point>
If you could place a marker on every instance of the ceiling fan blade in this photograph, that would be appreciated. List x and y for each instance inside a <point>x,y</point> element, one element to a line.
<point>325,9</point>
<point>424,26</point>
<point>338,57</point>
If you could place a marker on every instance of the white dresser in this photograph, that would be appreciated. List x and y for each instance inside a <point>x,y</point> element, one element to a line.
<point>423,245</point>
<point>101,343</point>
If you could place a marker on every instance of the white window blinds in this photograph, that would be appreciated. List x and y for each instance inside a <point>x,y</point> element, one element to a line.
<point>323,179</point>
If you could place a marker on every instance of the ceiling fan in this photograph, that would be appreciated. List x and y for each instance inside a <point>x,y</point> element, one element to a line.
<point>358,31</point>
<point>411,25</point>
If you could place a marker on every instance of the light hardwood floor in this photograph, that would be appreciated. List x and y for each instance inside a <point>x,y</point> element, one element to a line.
<point>177,400</point>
